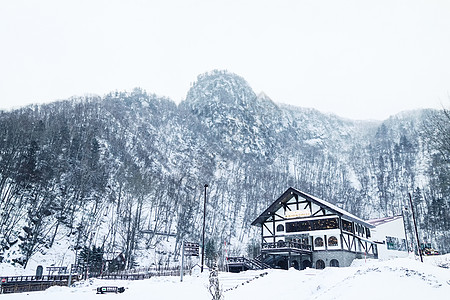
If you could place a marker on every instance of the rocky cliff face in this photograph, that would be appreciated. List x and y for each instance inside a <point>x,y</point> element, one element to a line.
<point>98,171</point>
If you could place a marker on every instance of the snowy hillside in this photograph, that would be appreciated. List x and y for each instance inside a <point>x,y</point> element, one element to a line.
<point>393,279</point>
<point>117,172</point>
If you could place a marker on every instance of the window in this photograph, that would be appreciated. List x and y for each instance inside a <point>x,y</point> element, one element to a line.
<point>280,227</point>
<point>347,226</point>
<point>334,263</point>
<point>360,230</point>
<point>324,224</point>
<point>298,226</point>
<point>318,242</point>
<point>332,241</point>
<point>321,224</point>
<point>368,232</point>
<point>320,264</point>
<point>394,243</point>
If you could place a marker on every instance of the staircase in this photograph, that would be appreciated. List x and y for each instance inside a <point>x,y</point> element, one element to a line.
<point>260,262</point>
<point>237,264</point>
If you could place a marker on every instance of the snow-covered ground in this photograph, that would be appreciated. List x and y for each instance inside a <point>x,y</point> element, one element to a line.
<point>373,279</point>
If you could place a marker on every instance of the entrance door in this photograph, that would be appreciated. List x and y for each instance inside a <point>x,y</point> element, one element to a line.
<point>320,264</point>
<point>282,264</point>
<point>306,264</point>
<point>334,263</point>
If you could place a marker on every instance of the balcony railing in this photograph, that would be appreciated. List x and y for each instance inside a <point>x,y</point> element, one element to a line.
<point>252,264</point>
<point>286,244</point>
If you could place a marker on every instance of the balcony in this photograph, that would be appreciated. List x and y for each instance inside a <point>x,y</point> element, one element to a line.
<point>281,246</point>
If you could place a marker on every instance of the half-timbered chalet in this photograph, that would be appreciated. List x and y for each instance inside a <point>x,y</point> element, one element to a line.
<point>300,230</point>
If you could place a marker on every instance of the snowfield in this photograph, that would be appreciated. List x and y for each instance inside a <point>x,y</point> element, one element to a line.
<point>373,279</point>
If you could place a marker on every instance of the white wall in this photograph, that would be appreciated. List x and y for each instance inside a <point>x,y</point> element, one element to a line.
<point>394,229</point>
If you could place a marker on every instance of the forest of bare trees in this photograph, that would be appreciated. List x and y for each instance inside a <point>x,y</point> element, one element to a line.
<point>114,172</point>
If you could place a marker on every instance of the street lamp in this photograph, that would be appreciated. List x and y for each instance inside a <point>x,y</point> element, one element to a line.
<point>203,235</point>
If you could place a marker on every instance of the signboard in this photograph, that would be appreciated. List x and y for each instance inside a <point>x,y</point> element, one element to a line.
<point>394,243</point>
<point>191,249</point>
<point>297,213</point>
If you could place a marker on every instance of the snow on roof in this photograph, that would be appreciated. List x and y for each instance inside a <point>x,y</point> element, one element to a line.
<point>381,221</point>
<point>286,196</point>
<point>334,207</point>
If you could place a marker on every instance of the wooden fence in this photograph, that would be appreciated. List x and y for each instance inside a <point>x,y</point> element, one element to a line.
<point>19,284</point>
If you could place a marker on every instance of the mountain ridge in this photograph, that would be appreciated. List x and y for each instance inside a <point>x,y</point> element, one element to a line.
<point>99,170</point>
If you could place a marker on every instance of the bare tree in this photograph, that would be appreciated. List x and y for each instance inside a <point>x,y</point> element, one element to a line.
<point>436,131</point>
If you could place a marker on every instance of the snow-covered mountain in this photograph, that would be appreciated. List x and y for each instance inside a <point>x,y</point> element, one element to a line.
<point>99,170</point>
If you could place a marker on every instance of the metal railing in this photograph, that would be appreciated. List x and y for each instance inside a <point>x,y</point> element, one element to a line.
<point>18,284</point>
<point>242,261</point>
<point>286,244</point>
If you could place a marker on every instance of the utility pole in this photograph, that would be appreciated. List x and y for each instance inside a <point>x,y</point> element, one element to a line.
<point>69,281</point>
<point>182,261</point>
<point>404,229</point>
<point>415,227</point>
<point>203,235</point>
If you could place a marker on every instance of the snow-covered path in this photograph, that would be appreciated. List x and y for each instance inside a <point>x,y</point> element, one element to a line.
<point>394,279</point>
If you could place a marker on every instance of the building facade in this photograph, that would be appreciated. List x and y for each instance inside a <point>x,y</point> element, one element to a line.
<point>390,236</point>
<point>299,230</point>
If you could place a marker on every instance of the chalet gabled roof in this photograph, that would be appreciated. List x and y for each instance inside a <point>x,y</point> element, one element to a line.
<point>286,196</point>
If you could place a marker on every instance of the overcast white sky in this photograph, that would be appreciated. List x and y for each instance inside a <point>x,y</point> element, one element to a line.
<point>358,59</point>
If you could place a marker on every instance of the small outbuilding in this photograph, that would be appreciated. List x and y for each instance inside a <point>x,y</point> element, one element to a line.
<point>390,236</point>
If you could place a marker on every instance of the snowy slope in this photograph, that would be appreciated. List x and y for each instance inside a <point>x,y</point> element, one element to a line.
<point>99,171</point>
<point>392,279</point>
